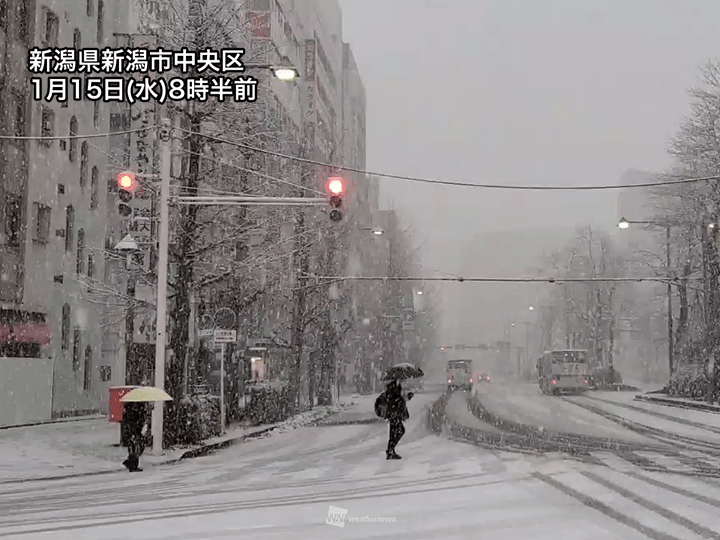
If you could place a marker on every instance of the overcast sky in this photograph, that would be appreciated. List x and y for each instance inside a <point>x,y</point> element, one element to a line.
<point>528,92</point>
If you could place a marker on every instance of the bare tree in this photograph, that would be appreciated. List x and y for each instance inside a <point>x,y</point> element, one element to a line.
<point>589,309</point>
<point>212,252</point>
<point>691,208</point>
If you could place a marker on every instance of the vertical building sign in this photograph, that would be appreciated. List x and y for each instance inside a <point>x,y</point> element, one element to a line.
<point>309,121</point>
<point>142,162</point>
<point>142,152</point>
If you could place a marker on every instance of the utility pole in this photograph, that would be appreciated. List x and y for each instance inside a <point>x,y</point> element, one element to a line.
<point>387,325</point>
<point>161,324</point>
<point>671,344</point>
<point>222,387</point>
<point>527,346</point>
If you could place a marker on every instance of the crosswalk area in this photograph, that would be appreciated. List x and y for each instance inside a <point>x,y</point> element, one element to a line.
<point>658,505</point>
<point>442,459</point>
<point>680,462</point>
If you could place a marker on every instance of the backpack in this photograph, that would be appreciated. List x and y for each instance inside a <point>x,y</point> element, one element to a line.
<point>381,406</point>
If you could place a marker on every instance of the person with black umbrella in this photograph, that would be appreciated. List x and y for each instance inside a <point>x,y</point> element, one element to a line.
<point>397,413</point>
<point>392,404</point>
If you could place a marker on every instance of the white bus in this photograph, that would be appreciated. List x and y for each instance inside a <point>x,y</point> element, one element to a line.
<point>563,371</point>
<point>459,374</point>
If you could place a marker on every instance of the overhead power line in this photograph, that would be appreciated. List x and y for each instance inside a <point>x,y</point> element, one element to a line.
<point>515,187</point>
<point>460,279</point>
<point>65,137</point>
<point>450,182</point>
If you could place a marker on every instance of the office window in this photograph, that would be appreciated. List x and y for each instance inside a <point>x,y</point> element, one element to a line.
<point>47,125</point>
<point>80,255</point>
<point>69,227</point>
<point>89,8</point>
<point>72,154</point>
<point>88,368</point>
<point>83,164</point>
<point>77,345</point>
<point>77,39</point>
<point>17,109</point>
<point>94,187</point>
<point>96,113</point>
<point>22,20</point>
<point>3,13</point>
<point>12,214</point>
<point>65,326</point>
<point>100,21</point>
<point>91,272</point>
<point>52,24</point>
<point>43,214</point>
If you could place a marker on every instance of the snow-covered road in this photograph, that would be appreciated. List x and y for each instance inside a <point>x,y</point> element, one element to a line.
<point>525,404</point>
<point>283,486</point>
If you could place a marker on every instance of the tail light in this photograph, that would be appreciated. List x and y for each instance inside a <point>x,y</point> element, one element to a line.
<point>470,380</point>
<point>586,382</point>
<point>554,381</point>
<point>449,380</point>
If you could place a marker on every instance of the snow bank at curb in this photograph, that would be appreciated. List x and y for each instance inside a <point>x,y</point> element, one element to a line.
<point>306,418</point>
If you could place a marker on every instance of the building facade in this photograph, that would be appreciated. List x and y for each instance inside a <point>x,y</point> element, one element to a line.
<point>54,214</point>
<point>76,314</point>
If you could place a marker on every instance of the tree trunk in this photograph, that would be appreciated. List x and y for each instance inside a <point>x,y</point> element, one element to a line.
<point>181,309</point>
<point>682,325</point>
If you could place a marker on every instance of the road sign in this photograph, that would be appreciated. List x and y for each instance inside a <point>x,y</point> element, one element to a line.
<point>207,333</point>
<point>225,318</point>
<point>225,336</point>
<point>408,326</point>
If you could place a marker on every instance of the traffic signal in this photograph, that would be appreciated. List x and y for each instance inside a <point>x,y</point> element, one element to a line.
<point>336,189</point>
<point>127,185</point>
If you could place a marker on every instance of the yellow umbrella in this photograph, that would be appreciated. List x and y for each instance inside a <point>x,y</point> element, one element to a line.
<point>146,394</point>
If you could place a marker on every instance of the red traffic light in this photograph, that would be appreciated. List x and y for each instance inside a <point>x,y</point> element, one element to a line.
<point>336,185</point>
<point>126,180</point>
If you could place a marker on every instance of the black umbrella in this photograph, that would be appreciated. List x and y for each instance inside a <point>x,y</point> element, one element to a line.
<point>403,371</point>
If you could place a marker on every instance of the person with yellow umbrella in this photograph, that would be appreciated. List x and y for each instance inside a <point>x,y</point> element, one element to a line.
<point>135,417</point>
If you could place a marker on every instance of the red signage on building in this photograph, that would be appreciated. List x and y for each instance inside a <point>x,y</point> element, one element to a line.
<point>25,333</point>
<point>259,23</point>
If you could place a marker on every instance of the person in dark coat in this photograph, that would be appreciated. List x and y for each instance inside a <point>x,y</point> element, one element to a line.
<point>397,413</point>
<point>135,418</point>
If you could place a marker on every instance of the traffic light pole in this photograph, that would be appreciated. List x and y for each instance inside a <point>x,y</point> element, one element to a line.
<point>161,320</point>
<point>251,201</point>
<point>163,240</point>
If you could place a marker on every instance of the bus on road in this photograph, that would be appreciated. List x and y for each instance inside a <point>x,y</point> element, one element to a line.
<point>459,374</point>
<point>563,371</point>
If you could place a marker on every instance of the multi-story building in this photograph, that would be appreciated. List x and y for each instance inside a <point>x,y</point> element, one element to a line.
<point>52,241</point>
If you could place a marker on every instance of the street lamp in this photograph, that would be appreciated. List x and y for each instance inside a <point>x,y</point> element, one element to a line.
<point>285,73</point>
<point>531,308</point>
<point>625,224</point>
<point>419,292</point>
<point>377,231</point>
<point>282,72</point>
